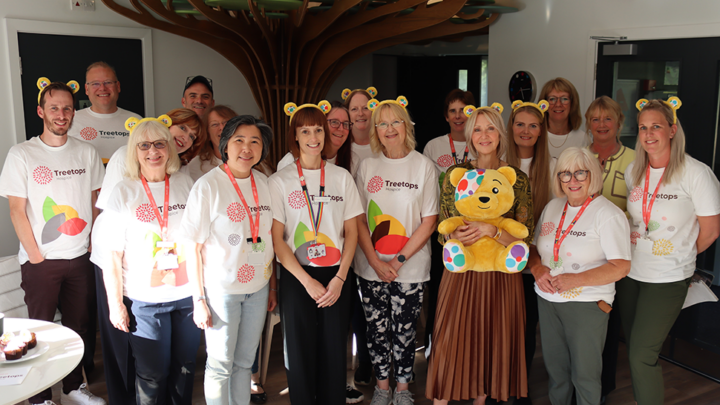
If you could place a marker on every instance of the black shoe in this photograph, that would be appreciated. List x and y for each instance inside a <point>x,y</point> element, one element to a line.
<point>363,375</point>
<point>353,396</point>
<point>258,398</point>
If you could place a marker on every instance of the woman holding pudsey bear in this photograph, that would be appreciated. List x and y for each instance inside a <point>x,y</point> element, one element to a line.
<point>479,345</point>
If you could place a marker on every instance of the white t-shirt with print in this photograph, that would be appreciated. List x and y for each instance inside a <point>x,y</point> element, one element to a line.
<point>363,151</point>
<point>601,234</point>
<point>136,231</point>
<point>673,221</point>
<point>106,132</point>
<point>397,194</point>
<point>58,183</point>
<point>216,217</point>
<point>558,143</point>
<point>288,159</point>
<point>197,167</point>
<point>438,150</point>
<point>290,208</point>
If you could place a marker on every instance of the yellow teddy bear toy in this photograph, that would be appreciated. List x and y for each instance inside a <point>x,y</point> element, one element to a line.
<point>484,195</point>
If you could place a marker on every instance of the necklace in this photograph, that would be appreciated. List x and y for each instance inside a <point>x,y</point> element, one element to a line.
<point>563,143</point>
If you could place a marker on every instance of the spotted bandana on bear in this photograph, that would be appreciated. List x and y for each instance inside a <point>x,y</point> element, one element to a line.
<point>469,183</point>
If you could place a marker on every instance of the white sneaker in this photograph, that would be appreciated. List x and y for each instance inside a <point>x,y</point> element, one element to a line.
<point>81,396</point>
<point>402,398</point>
<point>47,402</point>
<point>381,397</point>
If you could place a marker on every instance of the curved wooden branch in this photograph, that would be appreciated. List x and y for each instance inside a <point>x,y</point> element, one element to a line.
<point>471,16</point>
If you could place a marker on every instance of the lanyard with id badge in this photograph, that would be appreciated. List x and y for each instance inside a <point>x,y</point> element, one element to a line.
<point>256,257</point>
<point>644,243</point>
<point>315,250</point>
<point>556,264</point>
<point>166,257</point>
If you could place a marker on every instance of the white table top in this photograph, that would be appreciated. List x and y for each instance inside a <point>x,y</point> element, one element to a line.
<point>66,351</point>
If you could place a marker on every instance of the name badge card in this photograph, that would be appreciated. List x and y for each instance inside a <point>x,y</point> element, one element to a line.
<point>644,245</point>
<point>316,251</point>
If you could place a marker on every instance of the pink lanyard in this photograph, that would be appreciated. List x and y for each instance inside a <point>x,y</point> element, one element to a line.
<point>647,209</point>
<point>254,226</point>
<point>558,238</point>
<point>164,221</point>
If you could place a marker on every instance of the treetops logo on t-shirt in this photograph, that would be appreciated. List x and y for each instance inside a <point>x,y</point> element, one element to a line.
<point>146,213</point>
<point>445,161</point>
<point>637,193</point>
<point>548,228</point>
<point>88,133</point>
<point>376,183</point>
<point>236,212</point>
<point>296,200</point>
<point>44,175</point>
<point>59,220</point>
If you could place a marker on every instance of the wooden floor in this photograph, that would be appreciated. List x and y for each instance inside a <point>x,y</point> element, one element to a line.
<point>681,386</point>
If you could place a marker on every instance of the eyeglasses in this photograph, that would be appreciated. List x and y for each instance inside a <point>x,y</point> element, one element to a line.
<point>384,125</point>
<point>190,78</point>
<point>147,145</point>
<point>580,175</point>
<point>335,124</point>
<point>106,83</point>
<point>563,100</point>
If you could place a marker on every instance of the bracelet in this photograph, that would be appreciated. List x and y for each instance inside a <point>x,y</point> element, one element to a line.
<point>498,234</point>
<point>272,289</point>
<point>201,298</point>
<point>339,278</point>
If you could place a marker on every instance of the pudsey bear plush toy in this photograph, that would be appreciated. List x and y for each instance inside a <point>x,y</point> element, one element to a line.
<point>484,195</point>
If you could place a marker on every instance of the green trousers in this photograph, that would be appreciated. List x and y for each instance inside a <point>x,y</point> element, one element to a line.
<point>647,312</point>
<point>573,336</point>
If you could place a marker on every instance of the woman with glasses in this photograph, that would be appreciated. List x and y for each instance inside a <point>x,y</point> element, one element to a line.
<point>675,215</point>
<point>563,119</point>
<point>315,207</point>
<point>399,192</point>
<point>209,156</point>
<point>478,345</point>
<point>147,271</point>
<point>582,247</point>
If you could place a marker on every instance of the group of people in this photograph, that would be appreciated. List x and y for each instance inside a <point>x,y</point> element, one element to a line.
<point>192,231</point>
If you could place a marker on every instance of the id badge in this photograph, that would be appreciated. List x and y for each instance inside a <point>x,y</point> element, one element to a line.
<point>644,244</point>
<point>319,199</point>
<point>316,251</point>
<point>256,258</point>
<point>168,261</point>
<point>557,271</point>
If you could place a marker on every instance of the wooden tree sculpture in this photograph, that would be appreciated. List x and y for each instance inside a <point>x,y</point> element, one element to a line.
<point>293,50</point>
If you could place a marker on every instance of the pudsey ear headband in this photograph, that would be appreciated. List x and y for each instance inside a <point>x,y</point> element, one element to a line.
<point>542,105</point>
<point>673,102</point>
<point>132,122</point>
<point>371,90</point>
<point>291,108</point>
<point>44,82</point>
<point>374,104</point>
<point>469,109</point>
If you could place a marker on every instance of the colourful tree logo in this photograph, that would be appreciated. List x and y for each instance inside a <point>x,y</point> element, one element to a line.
<point>304,237</point>
<point>60,219</point>
<point>171,277</point>
<point>296,200</point>
<point>375,184</point>
<point>145,213</point>
<point>235,212</point>
<point>445,161</point>
<point>88,133</point>
<point>388,235</point>
<point>42,175</point>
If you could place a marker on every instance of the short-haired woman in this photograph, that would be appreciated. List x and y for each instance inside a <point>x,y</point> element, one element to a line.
<point>148,270</point>
<point>563,118</point>
<point>399,192</point>
<point>582,247</point>
<point>675,215</point>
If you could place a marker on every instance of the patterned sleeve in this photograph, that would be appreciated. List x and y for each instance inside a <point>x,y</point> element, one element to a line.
<point>522,209</point>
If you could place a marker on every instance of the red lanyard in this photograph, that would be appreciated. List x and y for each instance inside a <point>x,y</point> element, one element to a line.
<point>254,226</point>
<point>452,148</point>
<point>164,221</point>
<point>647,209</point>
<point>559,239</point>
<point>315,221</point>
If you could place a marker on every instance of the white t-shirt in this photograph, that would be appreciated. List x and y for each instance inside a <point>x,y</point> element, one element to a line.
<point>601,234</point>
<point>197,167</point>
<point>100,254</point>
<point>288,159</point>
<point>673,221</point>
<point>136,230</point>
<point>290,208</point>
<point>397,194</point>
<point>57,183</point>
<point>558,143</point>
<point>106,132</point>
<point>216,217</point>
<point>438,150</point>
<point>363,151</point>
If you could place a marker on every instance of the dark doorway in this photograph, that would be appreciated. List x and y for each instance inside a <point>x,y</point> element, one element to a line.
<point>425,81</point>
<point>65,58</point>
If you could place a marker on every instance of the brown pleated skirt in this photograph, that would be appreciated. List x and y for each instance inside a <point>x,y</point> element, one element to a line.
<point>478,344</point>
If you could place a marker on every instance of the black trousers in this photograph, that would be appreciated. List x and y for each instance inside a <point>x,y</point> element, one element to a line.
<point>437,268</point>
<point>359,325</point>
<point>531,319</point>
<point>315,339</point>
<point>118,362</point>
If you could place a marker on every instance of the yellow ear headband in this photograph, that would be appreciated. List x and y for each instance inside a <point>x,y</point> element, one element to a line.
<point>374,104</point>
<point>542,105</point>
<point>44,82</point>
<point>673,102</point>
<point>469,109</point>
<point>132,122</point>
<point>372,91</point>
<point>291,108</point>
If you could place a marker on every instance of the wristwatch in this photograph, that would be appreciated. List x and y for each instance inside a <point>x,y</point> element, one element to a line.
<point>401,259</point>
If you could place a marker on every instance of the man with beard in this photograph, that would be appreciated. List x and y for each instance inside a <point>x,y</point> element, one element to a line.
<point>198,95</point>
<point>103,123</point>
<point>51,182</point>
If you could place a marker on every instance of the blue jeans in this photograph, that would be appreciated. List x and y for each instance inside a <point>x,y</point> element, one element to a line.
<point>164,341</point>
<point>232,342</point>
